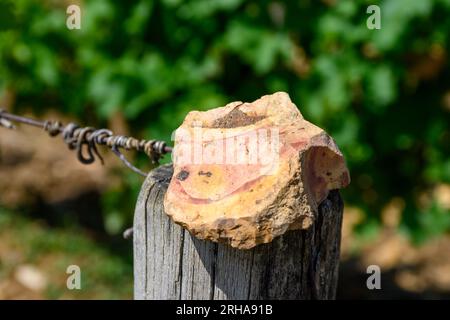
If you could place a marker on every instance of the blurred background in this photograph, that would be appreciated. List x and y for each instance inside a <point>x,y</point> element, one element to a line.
<point>137,67</point>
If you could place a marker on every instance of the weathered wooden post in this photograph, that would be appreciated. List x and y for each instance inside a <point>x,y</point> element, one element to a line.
<point>266,235</point>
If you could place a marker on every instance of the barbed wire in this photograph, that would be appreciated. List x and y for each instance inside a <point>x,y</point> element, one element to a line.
<point>84,140</point>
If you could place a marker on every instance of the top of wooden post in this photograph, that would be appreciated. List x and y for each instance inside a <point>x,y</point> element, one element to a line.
<point>248,172</point>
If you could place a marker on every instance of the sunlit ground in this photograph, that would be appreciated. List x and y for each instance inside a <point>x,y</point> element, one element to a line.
<point>34,259</point>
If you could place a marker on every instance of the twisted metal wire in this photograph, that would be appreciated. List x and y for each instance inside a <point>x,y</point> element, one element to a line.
<point>84,140</point>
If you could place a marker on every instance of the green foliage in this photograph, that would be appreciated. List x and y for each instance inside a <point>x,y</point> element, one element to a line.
<point>380,93</point>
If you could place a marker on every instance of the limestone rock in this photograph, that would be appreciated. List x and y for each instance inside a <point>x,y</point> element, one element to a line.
<point>248,172</point>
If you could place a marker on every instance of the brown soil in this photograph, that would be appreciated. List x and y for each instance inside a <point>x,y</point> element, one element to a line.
<point>236,118</point>
<point>35,167</point>
<point>407,271</point>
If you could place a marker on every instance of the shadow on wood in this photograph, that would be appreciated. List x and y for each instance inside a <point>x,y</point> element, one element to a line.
<point>169,263</point>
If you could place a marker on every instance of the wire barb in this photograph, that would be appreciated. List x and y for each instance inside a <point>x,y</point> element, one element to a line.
<point>84,140</point>
<point>5,123</point>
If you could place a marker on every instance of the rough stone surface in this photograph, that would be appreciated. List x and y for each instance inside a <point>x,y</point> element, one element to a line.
<point>248,172</point>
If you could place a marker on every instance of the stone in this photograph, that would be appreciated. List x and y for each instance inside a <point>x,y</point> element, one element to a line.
<point>246,173</point>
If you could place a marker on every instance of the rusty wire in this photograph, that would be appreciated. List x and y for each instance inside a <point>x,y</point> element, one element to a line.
<point>84,140</point>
